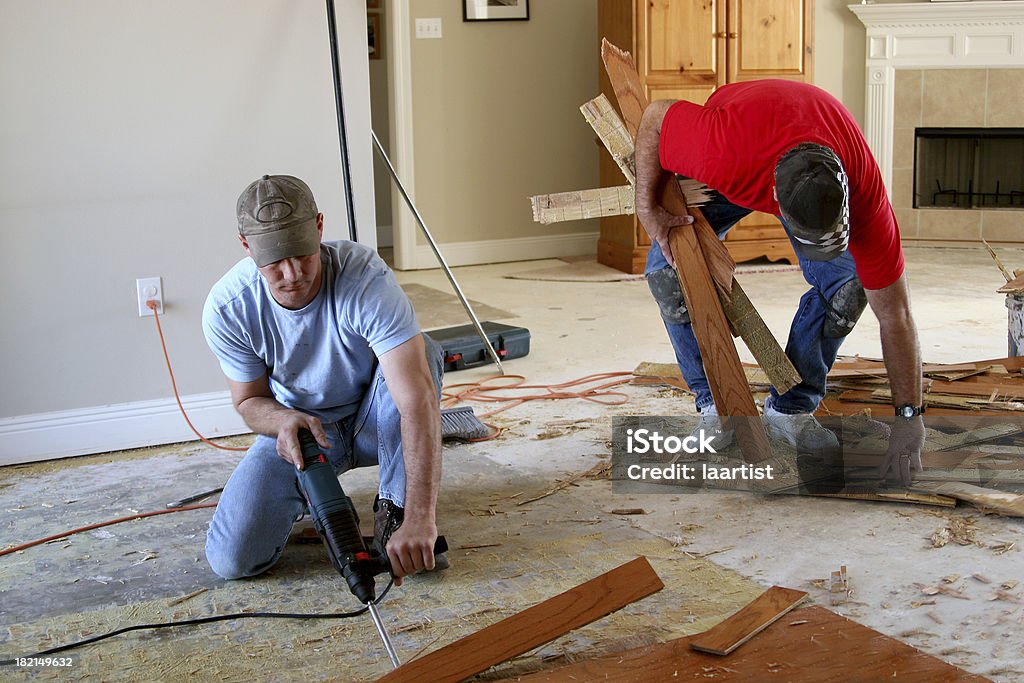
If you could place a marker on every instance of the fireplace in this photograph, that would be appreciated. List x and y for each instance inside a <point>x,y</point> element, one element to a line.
<point>968,168</point>
<point>957,67</point>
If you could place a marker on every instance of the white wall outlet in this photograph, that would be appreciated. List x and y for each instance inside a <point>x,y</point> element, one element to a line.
<point>149,289</point>
<point>428,27</point>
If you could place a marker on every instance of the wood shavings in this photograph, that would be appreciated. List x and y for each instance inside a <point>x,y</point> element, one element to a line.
<point>934,617</point>
<point>943,589</point>
<point>952,578</point>
<point>981,577</point>
<point>1006,595</point>
<point>627,511</point>
<point>1010,585</point>
<point>959,531</point>
<point>1002,547</point>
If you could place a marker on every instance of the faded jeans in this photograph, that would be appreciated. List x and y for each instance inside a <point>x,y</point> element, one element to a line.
<point>810,350</point>
<point>261,500</point>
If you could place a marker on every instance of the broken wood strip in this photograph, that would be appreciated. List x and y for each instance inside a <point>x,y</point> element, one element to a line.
<point>951,401</point>
<point>999,264</point>
<point>534,626</point>
<point>612,132</point>
<point>748,622</point>
<point>850,406</point>
<point>1014,286</point>
<point>581,204</point>
<point>821,645</point>
<point>1000,502</point>
<point>760,340</point>
<point>902,497</point>
<point>629,92</point>
<point>1009,391</point>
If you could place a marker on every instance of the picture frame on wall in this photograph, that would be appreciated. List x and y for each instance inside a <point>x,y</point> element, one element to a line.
<point>374,38</point>
<point>495,10</point>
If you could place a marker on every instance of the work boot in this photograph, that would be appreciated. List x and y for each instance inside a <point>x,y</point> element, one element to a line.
<point>711,424</point>
<point>387,517</point>
<point>801,431</point>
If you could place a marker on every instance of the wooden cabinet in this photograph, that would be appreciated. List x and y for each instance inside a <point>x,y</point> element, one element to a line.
<point>684,49</point>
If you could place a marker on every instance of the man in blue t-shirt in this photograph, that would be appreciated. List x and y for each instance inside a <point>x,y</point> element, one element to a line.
<point>319,336</point>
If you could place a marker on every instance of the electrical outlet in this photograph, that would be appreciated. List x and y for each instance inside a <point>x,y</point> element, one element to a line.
<point>428,27</point>
<point>149,289</point>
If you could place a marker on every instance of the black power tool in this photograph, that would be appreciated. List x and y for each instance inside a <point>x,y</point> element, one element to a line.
<point>336,521</point>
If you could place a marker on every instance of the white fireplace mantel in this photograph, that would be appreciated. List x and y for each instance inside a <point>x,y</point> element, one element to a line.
<point>931,35</point>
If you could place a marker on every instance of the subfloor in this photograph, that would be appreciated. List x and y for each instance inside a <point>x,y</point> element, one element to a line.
<point>519,530</point>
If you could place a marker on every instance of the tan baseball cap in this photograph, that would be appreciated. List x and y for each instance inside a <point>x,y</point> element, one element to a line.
<point>277,216</point>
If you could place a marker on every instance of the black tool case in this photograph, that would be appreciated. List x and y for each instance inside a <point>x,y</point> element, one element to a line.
<point>463,347</point>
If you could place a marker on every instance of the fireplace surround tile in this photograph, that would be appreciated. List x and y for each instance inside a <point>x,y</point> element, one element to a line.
<point>954,97</point>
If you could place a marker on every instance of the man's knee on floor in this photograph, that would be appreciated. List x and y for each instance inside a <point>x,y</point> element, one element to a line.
<point>664,285</point>
<point>234,562</point>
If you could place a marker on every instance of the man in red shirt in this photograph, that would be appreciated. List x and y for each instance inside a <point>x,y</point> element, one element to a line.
<point>792,150</point>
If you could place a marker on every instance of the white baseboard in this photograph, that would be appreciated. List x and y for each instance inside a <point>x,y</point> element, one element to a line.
<point>502,251</point>
<point>66,433</point>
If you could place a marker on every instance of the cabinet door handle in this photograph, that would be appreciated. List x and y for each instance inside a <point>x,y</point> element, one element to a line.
<point>723,34</point>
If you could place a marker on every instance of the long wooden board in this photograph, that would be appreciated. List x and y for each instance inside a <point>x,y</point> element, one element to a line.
<point>722,366</point>
<point>749,621</point>
<point>532,627</point>
<point>814,644</point>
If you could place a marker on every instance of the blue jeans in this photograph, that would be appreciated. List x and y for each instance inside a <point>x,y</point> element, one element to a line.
<point>811,351</point>
<point>262,501</point>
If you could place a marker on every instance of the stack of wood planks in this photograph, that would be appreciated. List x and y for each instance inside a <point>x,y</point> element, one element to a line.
<point>860,386</point>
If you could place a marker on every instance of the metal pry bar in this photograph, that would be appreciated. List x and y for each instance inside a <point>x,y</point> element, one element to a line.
<point>437,252</point>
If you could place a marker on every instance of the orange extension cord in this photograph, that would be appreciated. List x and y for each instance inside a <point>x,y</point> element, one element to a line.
<point>484,391</point>
<point>174,385</point>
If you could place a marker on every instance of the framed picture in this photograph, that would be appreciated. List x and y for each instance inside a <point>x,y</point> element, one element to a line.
<point>495,10</point>
<point>374,38</point>
<point>372,4</point>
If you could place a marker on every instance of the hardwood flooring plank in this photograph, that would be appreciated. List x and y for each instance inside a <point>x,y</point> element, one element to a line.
<point>532,627</point>
<point>749,621</point>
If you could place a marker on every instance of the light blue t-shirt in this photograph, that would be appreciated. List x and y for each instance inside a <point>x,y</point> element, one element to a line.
<point>319,359</point>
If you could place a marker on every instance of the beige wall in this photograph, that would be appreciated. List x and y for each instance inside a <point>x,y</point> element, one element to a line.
<point>129,127</point>
<point>496,107</point>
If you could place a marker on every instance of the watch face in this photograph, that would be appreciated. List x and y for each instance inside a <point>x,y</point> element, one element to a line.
<point>907,411</point>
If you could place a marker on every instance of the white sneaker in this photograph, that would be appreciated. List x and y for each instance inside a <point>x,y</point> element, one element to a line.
<point>801,431</point>
<point>711,425</point>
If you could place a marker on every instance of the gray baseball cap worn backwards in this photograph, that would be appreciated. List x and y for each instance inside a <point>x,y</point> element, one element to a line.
<point>814,197</point>
<point>277,216</point>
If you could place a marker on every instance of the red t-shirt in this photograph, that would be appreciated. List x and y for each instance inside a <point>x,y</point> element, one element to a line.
<point>732,144</point>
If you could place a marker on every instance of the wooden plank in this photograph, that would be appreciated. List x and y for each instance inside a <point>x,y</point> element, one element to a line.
<point>1000,502</point>
<point>721,361</point>
<point>612,132</point>
<point>533,627</point>
<point>1014,286</point>
<point>749,621</point>
<point>573,206</point>
<point>813,644</point>
<point>759,339</point>
<point>726,378</point>
<point>628,92</point>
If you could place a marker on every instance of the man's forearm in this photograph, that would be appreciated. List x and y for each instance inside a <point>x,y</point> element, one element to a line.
<point>900,347</point>
<point>421,446</point>
<point>263,414</point>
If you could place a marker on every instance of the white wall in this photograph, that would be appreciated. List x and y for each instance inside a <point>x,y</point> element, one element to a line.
<point>127,130</point>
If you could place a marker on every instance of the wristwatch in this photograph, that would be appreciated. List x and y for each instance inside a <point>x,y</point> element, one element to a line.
<point>908,411</point>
